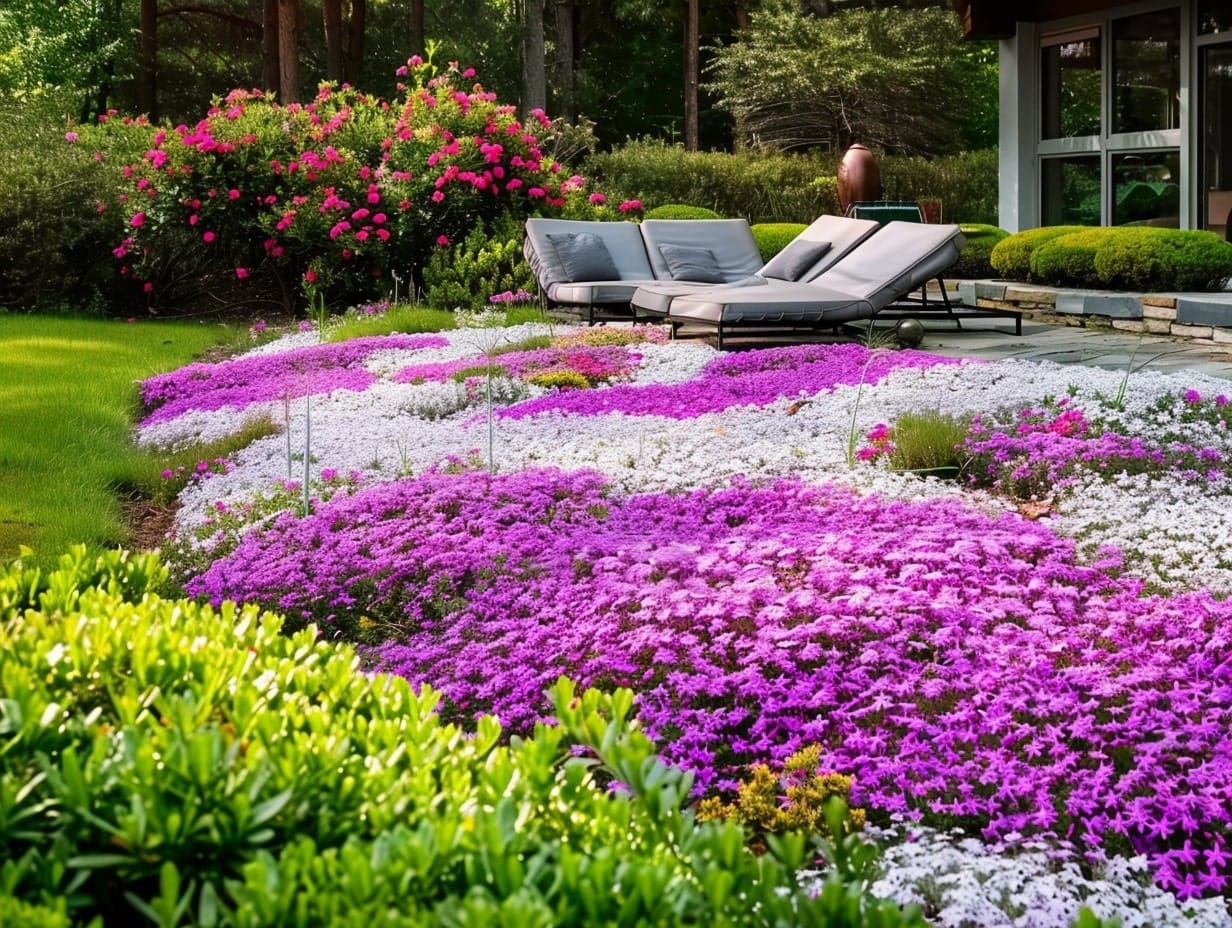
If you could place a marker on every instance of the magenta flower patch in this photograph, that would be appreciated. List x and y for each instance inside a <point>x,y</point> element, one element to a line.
<point>240,382</point>
<point>966,669</point>
<point>752,378</point>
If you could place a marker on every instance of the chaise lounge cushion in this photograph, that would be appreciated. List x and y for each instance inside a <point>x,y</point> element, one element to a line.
<point>623,241</point>
<point>895,261</point>
<point>583,256</point>
<point>695,264</point>
<point>793,261</point>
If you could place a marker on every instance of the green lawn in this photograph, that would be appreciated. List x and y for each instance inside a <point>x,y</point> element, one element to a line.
<point>68,398</point>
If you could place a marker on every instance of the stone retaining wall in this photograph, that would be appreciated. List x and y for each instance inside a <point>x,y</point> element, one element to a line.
<point>1197,316</point>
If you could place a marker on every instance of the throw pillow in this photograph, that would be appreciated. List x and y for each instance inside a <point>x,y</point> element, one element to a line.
<point>584,256</point>
<point>695,264</point>
<point>791,263</point>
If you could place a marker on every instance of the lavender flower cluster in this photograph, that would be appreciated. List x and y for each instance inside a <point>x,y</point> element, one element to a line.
<point>968,670</point>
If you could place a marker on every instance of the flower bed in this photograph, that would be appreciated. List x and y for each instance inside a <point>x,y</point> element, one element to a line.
<point>1000,654</point>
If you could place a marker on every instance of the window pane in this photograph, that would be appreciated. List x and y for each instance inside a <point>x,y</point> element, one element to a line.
<point>1147,190</point>
<point>1214,16</point>
<point>1146,61</point>
<point>1217,138</point>
<point>1071,191</point>
<point>1071,78</point>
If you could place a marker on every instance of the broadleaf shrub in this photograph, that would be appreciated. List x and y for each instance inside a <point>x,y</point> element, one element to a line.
<point>1141,258</point>
<point>1069,260</point>
<point>488,262</point>
<point>974,261</point>
<point>1146,258</point>
<point>322,201</point>
<point>772,237</point>
<point>1011,257</point>
<point>166,761</point>
<point>764,186</point>
<point>680,211</point>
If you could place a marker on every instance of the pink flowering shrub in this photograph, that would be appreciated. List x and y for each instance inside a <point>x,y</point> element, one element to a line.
<point>329,197</point>
<point>967,670</point>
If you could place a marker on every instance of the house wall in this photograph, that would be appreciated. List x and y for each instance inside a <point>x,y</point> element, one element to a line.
<point>1023,154</point>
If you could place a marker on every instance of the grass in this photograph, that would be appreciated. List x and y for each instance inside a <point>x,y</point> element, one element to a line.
<point>407,318</point>
<point>68,399</point>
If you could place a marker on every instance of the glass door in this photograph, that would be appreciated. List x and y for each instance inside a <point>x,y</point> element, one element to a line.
<point>1217,139</point>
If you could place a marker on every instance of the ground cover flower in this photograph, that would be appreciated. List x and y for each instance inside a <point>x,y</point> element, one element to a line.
<point>1007,676</point>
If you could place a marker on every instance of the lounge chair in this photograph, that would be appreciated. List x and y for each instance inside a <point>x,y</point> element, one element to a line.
<point>805,257</point>
<point>591,268</point>
<point>897,260</point>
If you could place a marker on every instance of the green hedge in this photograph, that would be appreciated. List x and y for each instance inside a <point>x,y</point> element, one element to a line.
<point>974,261</point>
<point>680,211</point>
<point>772,237</point>
<point>777,187</point>
<point>1139,258</point>
<point>165,762</point>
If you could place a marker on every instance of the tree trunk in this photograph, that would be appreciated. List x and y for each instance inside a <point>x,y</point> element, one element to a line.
<point>692,42</point>
<point>270,73</point>
<point>288,50</point>
<point>419,38</point>
<point>534,75</point>
<point>331,13</point>
<point>564,57</point>
<point>357,34</point>
<point>147,82</point>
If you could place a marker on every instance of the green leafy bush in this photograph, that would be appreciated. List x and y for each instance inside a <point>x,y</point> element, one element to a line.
<point>1069,260</point>
<point>168,762</point>
<point>1145,258</point>
<point>974,260</point>
<point>1122,258</point>
<point>487,262</point>
<point>772,237</point>
<point>965,183</point>
<point>775,187</point>
<point>58,213</point>
<point>1011,257</point>
<point>17,914</point>
<point>680,211</point>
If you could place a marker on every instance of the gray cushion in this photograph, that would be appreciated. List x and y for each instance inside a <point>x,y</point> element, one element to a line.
<point>791,263</point>
<point>584,256</point>
<point>688,263</point>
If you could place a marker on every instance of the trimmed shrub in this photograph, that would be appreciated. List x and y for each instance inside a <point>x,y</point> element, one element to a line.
<point>680,211</point>
<point>1069,260</point>
<point>1011,257</point>
<point>772,237</point>
<point>974,262</point>
<point>1142,258</point>
<point>1145,258</point>
<point>166,762</point>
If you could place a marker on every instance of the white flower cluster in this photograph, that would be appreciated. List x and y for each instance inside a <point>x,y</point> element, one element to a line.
<point>963,883</point>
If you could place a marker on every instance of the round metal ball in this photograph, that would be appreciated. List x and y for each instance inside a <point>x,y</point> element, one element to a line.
<point>909,333</point>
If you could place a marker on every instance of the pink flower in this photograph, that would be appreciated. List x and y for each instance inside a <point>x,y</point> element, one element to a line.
<point>233,194</point>
<point>207,237</point>
<point>310,275</point>
<point>137,221</point>
<point>629,205</point>
<point>71,137</point>
<point>241,272</point>
<point>597,198</point>
<point>442,240</point>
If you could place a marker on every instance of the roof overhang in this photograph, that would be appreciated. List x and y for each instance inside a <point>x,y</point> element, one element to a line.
<point>996,19</point>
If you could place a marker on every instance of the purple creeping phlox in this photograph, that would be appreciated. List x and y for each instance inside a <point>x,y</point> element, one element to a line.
<point>1047,449</point>
<point>240,382</point>
<point>752,378</point>
<point>596,363</point>
<point>968,670</point>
